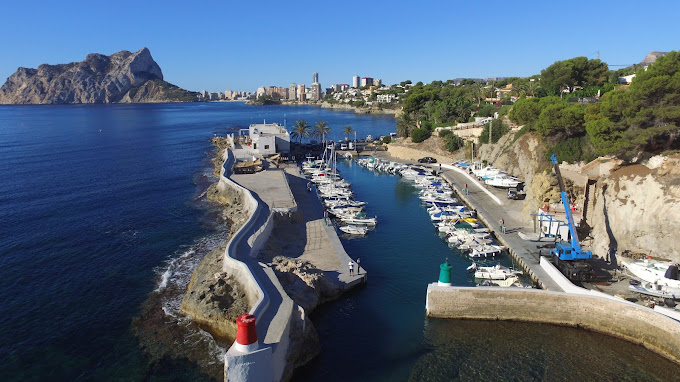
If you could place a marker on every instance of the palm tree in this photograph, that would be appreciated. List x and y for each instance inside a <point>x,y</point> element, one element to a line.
<point>347,130</point>
<point>321,130</point>
<point>300,130</point>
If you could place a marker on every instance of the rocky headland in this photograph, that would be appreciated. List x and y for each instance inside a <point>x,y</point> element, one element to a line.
<point>123,77</point>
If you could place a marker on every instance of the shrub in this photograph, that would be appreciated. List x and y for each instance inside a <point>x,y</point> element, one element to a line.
<point>453,142</point>
<point>386,139</point>
<point>420,134</point>
<point>445,133</point>
<point>573,150</point>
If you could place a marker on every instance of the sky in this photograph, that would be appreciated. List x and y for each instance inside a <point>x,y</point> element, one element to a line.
<point>220,45</point>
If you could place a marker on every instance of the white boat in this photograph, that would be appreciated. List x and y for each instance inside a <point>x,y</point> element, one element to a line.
<point>354,229</point>
<point>486,250</point>
<point>496,272</point>
<point>359,221</point>
<point>510,281</point>
<point>656,290</point>
<point>502,181</point>
<point>659,272</point>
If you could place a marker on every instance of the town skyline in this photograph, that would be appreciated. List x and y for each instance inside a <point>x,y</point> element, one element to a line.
<point>207,47</point>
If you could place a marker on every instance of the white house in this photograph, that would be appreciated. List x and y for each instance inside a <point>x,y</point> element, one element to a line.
<point>269,138</point>
<point>626,79</point>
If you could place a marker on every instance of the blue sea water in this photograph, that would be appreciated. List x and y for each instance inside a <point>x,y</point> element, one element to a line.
<point>99,203</point>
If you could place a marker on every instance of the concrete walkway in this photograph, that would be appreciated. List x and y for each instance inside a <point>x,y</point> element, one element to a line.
<point>323,247</point>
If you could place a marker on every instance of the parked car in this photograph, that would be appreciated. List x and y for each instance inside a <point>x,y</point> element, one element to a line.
<point>343,146</point>
<point>514,193</point>
<point>427,160</point>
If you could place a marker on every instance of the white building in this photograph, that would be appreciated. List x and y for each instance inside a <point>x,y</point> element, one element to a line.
<point>269,138</point>
<point>386,98</point>
<point>355,81</point>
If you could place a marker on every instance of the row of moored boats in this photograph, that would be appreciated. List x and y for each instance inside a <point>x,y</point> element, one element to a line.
<point>455,223</point>
<point>336,195</point>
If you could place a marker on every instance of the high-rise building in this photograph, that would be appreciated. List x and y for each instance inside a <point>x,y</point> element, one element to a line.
<point>355,81</point>
<point>315,77</point>
<point>302,93</point>
<point>316,91</point>
<point>366,81</point>
<point>377,82</point>
<point>292,92</point>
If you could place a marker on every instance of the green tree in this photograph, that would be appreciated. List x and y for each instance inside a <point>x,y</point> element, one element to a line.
<point>419,134</point>
<point>404,123</point>
<point>578,71</point>
<point>498,129</point>
<point>525,111</point>
<point>453,142</point>
<point>561,120</point>
<point>300,130</point>
<point>347,130</point>
<point>321,131</point>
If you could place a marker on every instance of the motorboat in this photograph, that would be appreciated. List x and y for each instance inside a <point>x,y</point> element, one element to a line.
<point>486,250</point>
<point>359,221</point>
<point>656,290</point>
<point>354,229</point>
<point>659,272</point>
<point>502,181</point>
<point>505,283</point>
<point>495,272</point>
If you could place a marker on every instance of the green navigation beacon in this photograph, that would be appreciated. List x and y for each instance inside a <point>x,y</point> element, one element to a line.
<point>445,273</point>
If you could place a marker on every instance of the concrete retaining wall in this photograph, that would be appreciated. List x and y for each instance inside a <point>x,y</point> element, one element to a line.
<point>615,317</point>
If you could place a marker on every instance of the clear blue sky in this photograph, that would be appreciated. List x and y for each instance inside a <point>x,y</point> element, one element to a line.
<point>240,45</point>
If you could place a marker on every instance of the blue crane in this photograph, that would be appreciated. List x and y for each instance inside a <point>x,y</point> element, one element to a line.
<point>568,250</point>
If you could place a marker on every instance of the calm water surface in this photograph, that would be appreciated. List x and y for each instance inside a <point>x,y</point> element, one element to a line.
<point>94,222</point>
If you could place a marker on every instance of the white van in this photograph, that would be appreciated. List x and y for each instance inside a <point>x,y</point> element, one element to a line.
<point>343,146</point>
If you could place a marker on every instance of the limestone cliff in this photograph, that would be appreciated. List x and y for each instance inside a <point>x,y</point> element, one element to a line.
<point>637,208</point>
<point>120,77</point>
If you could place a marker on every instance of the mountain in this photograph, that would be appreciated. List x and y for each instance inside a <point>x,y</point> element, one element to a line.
<point>121,77</point>
<point>651,58</point>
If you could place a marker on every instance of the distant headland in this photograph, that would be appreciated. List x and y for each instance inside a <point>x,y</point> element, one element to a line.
<point>122,77</point>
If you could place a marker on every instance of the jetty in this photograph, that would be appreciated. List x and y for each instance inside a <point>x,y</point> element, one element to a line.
<point>275,197</point>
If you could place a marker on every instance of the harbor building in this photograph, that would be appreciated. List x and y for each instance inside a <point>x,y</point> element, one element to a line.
<point>269,138</point>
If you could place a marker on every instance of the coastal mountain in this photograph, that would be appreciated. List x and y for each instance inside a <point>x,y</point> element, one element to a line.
<point>651,58</point>
<point>121,77</point>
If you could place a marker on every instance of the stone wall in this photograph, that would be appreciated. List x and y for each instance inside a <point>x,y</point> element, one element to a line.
<point>618,318</point>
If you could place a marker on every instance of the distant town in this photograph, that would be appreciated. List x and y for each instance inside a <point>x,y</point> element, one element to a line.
<point>364,91</point>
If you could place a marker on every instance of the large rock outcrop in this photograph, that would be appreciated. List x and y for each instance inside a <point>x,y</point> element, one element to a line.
<point>637,208</point>
<point>120,77</point>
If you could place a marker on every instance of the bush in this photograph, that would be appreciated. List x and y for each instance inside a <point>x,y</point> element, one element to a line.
<point>445,133</point>
<point>386,139</point>
<point>420,134</point>
<point>453,142</point>
<point>573,150</point>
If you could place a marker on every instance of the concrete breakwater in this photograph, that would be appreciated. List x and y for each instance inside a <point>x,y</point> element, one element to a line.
<point>622,319</point>
<point>265,209</point>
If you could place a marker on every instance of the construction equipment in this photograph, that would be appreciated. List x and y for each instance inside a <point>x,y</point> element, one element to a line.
<point>568,256</point>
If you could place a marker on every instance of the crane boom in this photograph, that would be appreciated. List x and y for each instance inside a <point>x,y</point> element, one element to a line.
<point>574,251</point>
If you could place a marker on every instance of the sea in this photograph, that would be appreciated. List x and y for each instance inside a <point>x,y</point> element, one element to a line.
<point>103,217</point>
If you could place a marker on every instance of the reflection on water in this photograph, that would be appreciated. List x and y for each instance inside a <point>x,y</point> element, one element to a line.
<point>466,350</point>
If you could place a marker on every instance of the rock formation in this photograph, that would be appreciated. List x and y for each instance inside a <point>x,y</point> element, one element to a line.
<point>651,58</point>
<point>120,77</point>
<point>636,209</point>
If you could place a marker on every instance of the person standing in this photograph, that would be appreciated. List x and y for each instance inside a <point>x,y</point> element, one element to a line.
<point>466,189</point>
<point>502,222</point>
<point>351,268</point>
<point>358,265</point>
